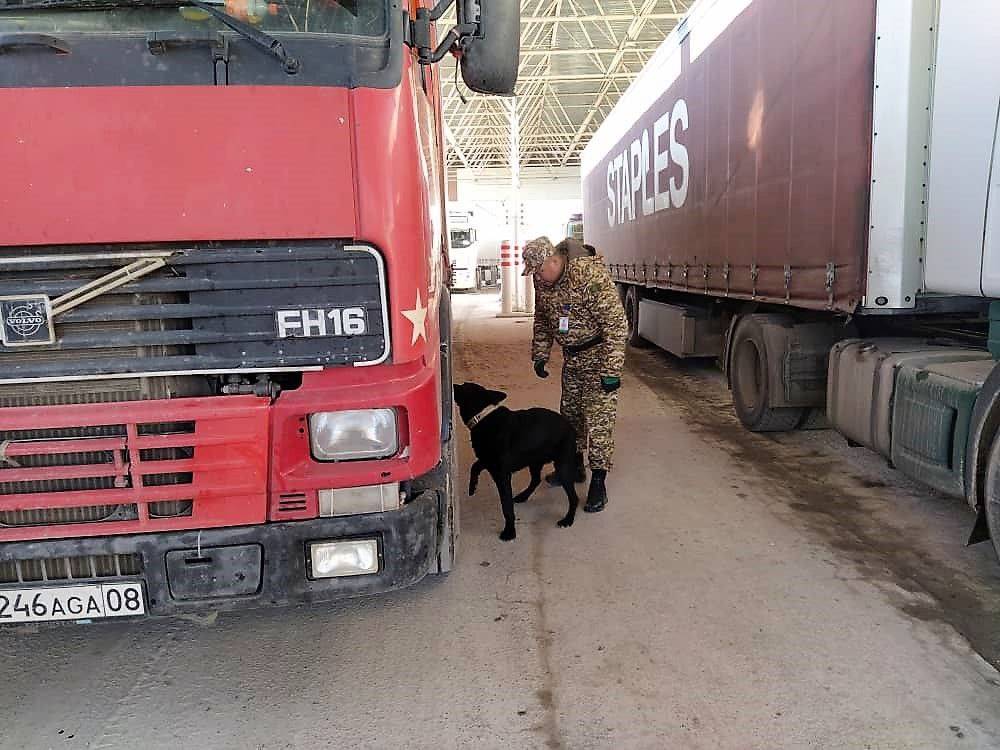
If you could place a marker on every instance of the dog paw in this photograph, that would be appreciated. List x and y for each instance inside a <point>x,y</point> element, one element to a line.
<point>507,534</point>
<point>565,523</point>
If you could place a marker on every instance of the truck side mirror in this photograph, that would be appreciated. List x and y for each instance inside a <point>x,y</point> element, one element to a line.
<point>487,38</point>
<point>490,57</point>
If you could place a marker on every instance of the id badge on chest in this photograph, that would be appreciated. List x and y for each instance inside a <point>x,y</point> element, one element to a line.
<point>564,319</point>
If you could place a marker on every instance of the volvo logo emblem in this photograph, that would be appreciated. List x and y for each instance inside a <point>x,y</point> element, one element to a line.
<point>26,321</point>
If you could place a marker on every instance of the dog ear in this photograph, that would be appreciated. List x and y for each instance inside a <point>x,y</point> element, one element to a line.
<point>495,397</point>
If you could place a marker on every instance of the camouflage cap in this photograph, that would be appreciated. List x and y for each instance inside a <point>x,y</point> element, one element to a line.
<point>535,253</point>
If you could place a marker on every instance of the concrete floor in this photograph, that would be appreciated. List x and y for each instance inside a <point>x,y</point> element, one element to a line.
<point>740,592</point>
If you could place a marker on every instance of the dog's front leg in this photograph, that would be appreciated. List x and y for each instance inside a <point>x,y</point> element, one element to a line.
<point>502,481</point>
<point>474,472</point>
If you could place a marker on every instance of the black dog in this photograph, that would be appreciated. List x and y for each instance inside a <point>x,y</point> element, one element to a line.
<point>506,441</point>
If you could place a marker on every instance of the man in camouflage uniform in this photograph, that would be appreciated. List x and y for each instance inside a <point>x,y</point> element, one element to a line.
<point>577,306</point>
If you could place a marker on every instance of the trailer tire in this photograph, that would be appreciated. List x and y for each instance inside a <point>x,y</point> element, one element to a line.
<point>622,292</point>
<point>632,296</point>
<point>749,370</point>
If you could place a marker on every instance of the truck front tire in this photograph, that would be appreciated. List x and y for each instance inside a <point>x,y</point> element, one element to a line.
<point>750,377</point>
<point>991,492</point>
<point>448,509</point>
<point>448,512</point>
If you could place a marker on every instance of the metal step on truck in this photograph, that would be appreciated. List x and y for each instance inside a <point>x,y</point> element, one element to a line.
<point>810,193</point>
<point>225,370</point>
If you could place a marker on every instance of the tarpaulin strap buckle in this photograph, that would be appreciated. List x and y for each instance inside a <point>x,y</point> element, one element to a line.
<point>4,459</point>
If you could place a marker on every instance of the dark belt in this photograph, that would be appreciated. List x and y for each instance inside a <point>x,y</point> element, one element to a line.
<point>583,346</point>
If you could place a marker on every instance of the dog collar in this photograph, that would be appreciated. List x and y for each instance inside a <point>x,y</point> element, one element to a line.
<point>481,415</point>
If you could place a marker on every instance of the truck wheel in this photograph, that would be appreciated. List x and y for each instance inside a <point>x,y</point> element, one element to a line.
<point>991,491</point>
<point>445,484</point>
<point>632,297</point>
<point>448,511</point>
<point>749,375</point>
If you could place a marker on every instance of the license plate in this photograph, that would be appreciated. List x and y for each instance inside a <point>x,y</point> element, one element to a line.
<point>26,321</point>
<point>71,603</point>
<point>313,322</point>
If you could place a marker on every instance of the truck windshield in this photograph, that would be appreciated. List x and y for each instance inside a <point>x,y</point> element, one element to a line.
<point>344,18</point>
<point>461,238</point>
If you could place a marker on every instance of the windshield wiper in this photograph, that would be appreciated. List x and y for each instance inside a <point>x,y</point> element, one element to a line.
<point>260,39</point>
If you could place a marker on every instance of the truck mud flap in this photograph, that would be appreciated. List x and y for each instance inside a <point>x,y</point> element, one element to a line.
<point>799,356</point>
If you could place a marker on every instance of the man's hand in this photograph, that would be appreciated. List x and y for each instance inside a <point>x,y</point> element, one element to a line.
<point>610,383</point>
<point>540,370</point>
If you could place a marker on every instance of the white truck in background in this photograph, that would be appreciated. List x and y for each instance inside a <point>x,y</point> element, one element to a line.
<point>574,227</point>
<point>810,193</point>
<point>463,250</point>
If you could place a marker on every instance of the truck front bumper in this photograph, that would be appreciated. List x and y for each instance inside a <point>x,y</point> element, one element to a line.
<point>191,572</point>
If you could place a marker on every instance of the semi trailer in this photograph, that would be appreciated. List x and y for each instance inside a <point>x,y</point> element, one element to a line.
<point>809,192</point>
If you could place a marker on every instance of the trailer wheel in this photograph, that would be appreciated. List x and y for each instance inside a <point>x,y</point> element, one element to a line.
<point>622,292</point>
<point>632,297</point>
<point>749,376</point>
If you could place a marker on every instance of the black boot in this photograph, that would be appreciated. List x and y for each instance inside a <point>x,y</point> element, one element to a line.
<point>597,495</point>
<point>579,478</point>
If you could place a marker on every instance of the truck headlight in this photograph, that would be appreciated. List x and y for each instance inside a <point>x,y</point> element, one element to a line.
<point>348,558</point>
<point>353,435</point>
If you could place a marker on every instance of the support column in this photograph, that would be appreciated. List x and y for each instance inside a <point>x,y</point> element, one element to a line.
<point>514,159</point>
<point>508,286</point>
<point>516,288</point>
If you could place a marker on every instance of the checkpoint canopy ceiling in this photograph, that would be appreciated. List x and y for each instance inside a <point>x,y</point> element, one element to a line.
<point>577,58</point>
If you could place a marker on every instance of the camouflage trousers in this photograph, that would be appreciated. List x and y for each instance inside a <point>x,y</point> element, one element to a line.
<point>589,409</point>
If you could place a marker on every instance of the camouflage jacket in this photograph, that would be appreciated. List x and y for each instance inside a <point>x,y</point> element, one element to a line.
<point>587,296</point>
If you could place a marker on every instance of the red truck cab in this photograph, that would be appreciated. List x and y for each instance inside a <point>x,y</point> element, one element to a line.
<point>224,370</point>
